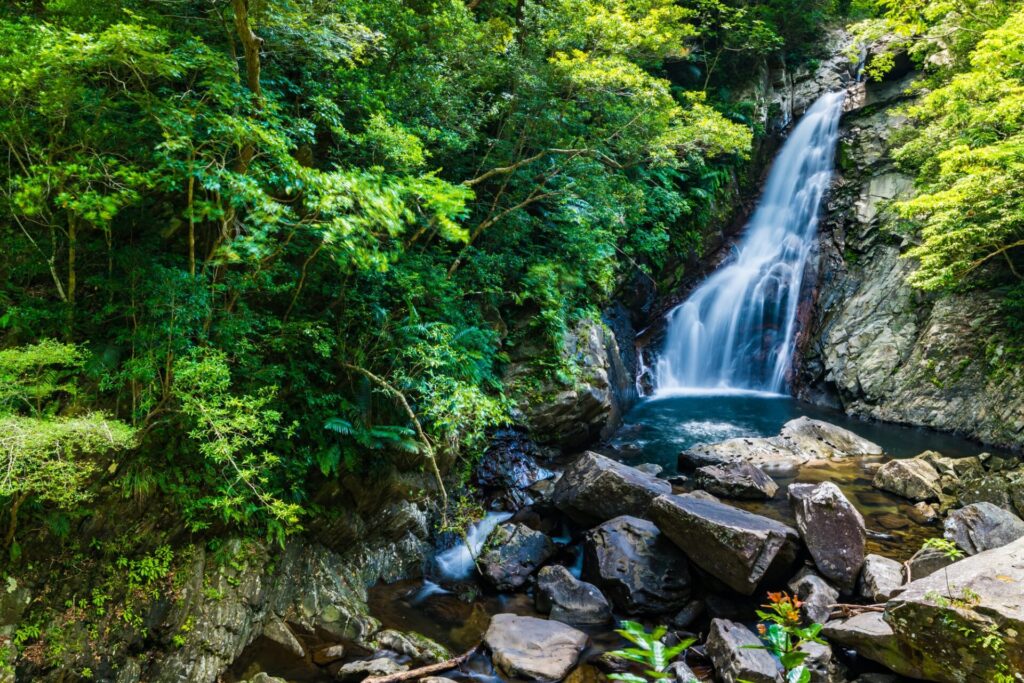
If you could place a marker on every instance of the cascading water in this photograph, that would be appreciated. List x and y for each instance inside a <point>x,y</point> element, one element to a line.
<point>736,330</point>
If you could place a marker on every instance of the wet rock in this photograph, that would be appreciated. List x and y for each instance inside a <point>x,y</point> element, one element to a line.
<point>881,578</point>
<point>982,526</point>
<point>512,553</point>
<point>923,513</point>
<point>939,636</point>
<point>509,466</point>
<point>800,441</point>
<point>927,561</point>
<point>737,547</point>
<point>832,529</point>
<point>736,480</point>
<point>264,677</point>
<point>329,655</point>
<point>816,593</point>
<point>914,479</point>
<point>537,649</point>
<point>364,668</point>
<point>411,644</point>
<point>639,569</point>
<point>687,616</point>
<point>681,673</point>
<point>730,646</point>
<point>436,679</point>
<point>570,600</point>
<point>871,637</point>
<point>821,663</point>
<point>595,489</point>
<point>278,631</point>
<point>650,468</point>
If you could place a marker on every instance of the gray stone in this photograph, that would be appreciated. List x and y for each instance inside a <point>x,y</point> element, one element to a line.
<point>914,479</point>
<point>821,663</point>
<point>881,578</point>
<point>832,529</point>
<point>512,553</point>
<point>736,480</point>
<point>731,648</point>
<point>982,526</point>
<point>681,673</point>
<point>264,677</point>
<point>923,513</point>
<point>570,600</point>
<point>536,649</point>
<point>364,668</point>
<point>816,593</point>
<point>639,569</point>
<point>686,617</point>
<point>870,636</point>
<point>650,468</point>
<point>329,655</point>
<point>927,561</point>
<point>737,547</point>
<point>278,631</point>
<point>413,645</point>
<point>943,638</point>
<point>595,489</point>
<point>436,679</point>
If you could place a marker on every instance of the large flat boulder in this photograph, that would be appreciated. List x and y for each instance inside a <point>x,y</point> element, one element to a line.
<point>914,479</point>
<point>871,637</point>
<point>532,648</point>
<point>737,547</point>
<point>982,526</point>
<point>833,531</point>
<point>735,652</point>
<point>569,600</point>
<point>736,480</point>
<point>636,566</point>
<point>595,489</point>
<point>944,620</point>
<point>513,552</point>
<point>800,441</point>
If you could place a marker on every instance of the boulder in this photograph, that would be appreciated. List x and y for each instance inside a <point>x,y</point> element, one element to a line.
<point>833,530</point>
<point>913,479</point>
<point>569,600</point>
<point>923,513</point>
<point>279,632</point>
<point>681,673</point>
<point>800,441</point>
<point>536,649</point>
<point>686,617</point>
<point>965,623</point>
<point>413,645</point>
<point>650,468</point>
<point>881,578</point>
<point>982,526</point>
<point>927,561</point>
<point>364,668</point>
<point>264,677</point>
<point>816,593</point>
<point>871,637</point>
<point>595,489</point>
<point>736,480</point>
<point>821,663</point>
<point>737,547</point>
<point>512,553</point>
<point>329,654</point>
<point>639,569</point>
<point>732,649</point>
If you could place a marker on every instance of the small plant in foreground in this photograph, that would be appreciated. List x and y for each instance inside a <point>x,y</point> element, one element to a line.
<point>650,651</point>
<point>783,635</point>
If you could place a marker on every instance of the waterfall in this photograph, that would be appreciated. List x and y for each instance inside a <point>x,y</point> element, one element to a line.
<point>736,330</point>
<point>459,562</point>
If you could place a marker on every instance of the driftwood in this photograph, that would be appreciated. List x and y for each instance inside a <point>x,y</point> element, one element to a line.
<point>423,671</point>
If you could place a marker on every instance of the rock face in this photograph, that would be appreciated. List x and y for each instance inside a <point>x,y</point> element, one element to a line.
<point>512,553</point>
<point>536,649</point>
<point>873,345</point>
<point>914,479</point>
<point>639,569</point>
<point>737,547</point>
<point>595,489</point>
<point>736,480</point>
<point>569,600</point>
<point>943,637</point>
<point>800,441</point>
<point>881,579</point>
<point>982,526</point>
<point>731,648</point>
<point>832,529</point>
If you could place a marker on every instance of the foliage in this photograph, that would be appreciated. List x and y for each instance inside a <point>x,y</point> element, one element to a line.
<point>651,652</point>
<point>783,635</point>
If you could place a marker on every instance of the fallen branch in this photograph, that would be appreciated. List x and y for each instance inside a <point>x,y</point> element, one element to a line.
<point>423,671</point>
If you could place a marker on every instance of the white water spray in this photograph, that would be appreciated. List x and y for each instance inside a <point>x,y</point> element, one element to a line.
<point>457,563</point>
<point>736,330</point>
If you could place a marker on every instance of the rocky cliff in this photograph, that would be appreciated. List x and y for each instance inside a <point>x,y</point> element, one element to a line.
<point>874,346</point>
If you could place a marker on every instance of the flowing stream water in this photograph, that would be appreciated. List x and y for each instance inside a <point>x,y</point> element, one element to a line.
<point>736,330</point>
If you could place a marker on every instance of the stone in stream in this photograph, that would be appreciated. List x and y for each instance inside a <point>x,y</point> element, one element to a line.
<point>737,547</point>
<point>512,553</point>
<point>871,637</point>
<point>927,561</point>
<point>944,619</point>
<point>736,480</point>
<point>816,593</point>
<point>923,513</point>
<point>914,479</point>
<point>881,579</point>
<point>536,649</point>
<point>413,645</point>
<point>982,526</point>
<point>569,600</point>
<point>364,668</point>
<point>639,569</point>
<point>735,652</point>
<point>595,489</point>
<point>329,654</point>
<point>800,441</point>
<point>832,529</point>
